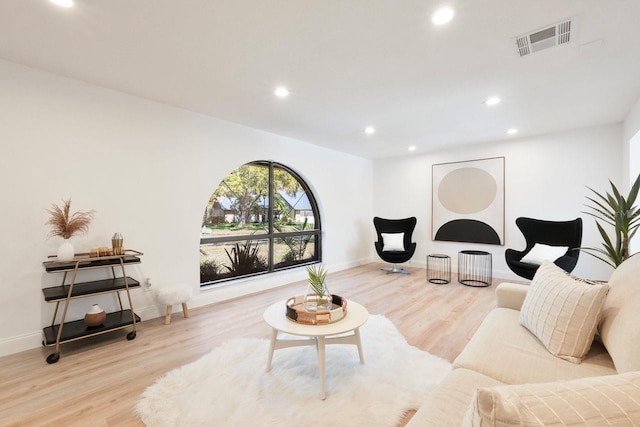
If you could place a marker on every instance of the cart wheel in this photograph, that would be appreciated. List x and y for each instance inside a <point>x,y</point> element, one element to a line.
<point>53,358</point>
<point>131,335</point>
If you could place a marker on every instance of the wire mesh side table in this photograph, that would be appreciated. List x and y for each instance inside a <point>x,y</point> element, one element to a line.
<point>438,269</point>
<point>474,268</point>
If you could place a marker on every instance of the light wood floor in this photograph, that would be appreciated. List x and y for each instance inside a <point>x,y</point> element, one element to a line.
<point>98,380</point>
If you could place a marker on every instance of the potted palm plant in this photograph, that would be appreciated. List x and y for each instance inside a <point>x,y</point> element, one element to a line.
<point>622,214</point>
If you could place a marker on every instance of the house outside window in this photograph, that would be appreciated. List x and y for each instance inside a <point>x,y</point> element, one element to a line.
<point>261,218</point>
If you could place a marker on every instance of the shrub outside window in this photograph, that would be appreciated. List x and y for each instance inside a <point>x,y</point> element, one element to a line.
<point>261,218</point>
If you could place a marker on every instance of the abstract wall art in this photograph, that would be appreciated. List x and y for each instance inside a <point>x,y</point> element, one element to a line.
<point>468,201</point>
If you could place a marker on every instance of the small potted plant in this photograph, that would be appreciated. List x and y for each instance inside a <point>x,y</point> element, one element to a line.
<point>318,297</point>
<point>65,224</point>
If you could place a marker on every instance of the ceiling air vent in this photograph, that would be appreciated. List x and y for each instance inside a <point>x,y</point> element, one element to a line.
<point>543,39</point>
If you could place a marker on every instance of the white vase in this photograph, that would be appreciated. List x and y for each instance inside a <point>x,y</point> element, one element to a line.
<point>66,251</point>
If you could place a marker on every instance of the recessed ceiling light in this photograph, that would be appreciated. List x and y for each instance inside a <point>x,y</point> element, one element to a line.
<point>492,101</point>
<point>62,3</point>
<point>412,148</point>
<point>442,15</point>
<point>281,92</point>
<point>512,131</point>
<point>369,130</point>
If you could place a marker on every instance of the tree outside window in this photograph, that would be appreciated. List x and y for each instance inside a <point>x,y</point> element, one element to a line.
<point>261,218</point>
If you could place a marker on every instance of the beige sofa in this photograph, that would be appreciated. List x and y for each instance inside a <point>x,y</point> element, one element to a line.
<point>504,353</point>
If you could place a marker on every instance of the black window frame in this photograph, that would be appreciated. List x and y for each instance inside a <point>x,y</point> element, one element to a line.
<point>272,234</point>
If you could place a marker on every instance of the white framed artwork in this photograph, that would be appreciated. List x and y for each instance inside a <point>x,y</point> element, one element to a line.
<point>468,201</point>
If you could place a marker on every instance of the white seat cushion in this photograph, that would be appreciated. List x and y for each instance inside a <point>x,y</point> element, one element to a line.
<point>505,350</point>
<point>173,294</point>
<point>449,401</point>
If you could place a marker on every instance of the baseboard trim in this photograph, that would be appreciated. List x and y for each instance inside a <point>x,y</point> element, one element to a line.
<point>20,343</point>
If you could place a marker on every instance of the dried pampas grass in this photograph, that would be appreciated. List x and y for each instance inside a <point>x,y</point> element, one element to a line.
<point>64,224</point>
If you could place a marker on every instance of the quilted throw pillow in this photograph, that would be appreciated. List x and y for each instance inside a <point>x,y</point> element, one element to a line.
<point>595,401</point>
<point>563,311</point>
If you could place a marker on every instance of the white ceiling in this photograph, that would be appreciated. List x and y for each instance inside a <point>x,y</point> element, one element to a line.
<point>348,63</point>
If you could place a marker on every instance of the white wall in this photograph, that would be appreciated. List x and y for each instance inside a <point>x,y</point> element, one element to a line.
<point>632,122</point>
<point>545,177</point>
<point>632,169</point>
<point>634,172</point>
<point>148,170</point>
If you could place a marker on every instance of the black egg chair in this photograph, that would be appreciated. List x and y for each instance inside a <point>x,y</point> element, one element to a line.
<point>395,256</point>
<point>550,233</point>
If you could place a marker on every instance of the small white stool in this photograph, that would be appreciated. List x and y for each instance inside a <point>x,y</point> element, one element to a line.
<point>171,295</point>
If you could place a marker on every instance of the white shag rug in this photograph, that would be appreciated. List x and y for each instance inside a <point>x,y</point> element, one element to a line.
<point>229,386</point>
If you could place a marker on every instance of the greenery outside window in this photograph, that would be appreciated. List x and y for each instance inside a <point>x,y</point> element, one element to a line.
<point>261,218</point>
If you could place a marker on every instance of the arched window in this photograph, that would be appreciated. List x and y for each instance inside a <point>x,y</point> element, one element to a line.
<point>261,218</point>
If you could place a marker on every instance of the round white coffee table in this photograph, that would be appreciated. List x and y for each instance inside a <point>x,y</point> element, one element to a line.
<point>318,335</point>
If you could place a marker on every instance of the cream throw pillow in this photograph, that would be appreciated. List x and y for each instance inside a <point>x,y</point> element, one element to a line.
<point>392,242</point>
<point>563,311</point>
<point>594,401</point>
